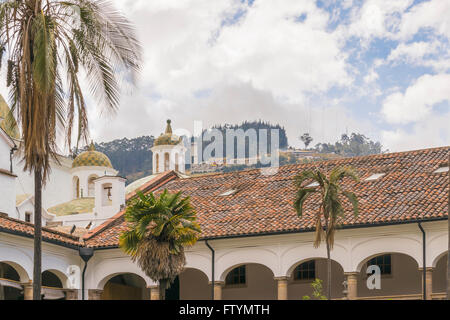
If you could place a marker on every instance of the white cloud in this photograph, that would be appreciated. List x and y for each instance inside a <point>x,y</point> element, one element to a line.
<point>432,14</point>
<point>187,48</point>
<point>413,52</point>
<point>432,131</point>
<point>418,100</point>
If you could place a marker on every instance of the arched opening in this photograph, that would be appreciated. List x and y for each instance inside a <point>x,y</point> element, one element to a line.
<point>440,277</point>
<point>76,187</point>
<point>177,162</point>
<point>52,286</point>
<point>249,282</point>
<point>306,272</point>
<point>126,286</point>
<point>157,163</point>
<point>166,161</point>
<point>107,195</point>
<point>400,277</point>
<point>10,287</point>
<point>194,285</point>
<point>91,186</point>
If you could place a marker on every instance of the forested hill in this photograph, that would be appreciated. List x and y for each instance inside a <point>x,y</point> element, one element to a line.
<point>131,157</point>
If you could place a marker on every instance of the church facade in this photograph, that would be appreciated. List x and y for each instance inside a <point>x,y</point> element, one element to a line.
<point>253,244</point>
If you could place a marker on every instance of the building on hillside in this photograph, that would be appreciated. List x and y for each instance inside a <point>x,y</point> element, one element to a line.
<point>262,249</point>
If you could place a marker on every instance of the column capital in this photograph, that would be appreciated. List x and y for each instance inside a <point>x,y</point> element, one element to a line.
<point>217,283</point>
<point>350,274</point>
<point>427,269</point>
<point>285,278</point>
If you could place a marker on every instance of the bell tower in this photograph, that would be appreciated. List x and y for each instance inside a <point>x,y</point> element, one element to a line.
<point>168,152</point>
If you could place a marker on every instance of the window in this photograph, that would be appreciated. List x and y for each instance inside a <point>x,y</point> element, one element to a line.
<point>384,262</point>
<point>166,162</point>
<point>305,271</point>
<point>375,176</point>
<point>442,170</point>
<point>228,193</point>
<point>236,276</point>
<point>27,217</point>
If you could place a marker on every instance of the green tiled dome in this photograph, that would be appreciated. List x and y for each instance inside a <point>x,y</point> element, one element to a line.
<point>168,138</point>
<point>10,129</point>
<point>92,158</point>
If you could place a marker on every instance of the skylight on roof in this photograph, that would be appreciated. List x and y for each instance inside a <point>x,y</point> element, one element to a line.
<point>312,185</point>
<point>442,170</point>
<point>228,193</point>
<point>375,176</point>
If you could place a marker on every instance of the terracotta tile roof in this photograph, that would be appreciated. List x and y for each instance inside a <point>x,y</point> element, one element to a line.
<point>22,228</point>
<point>409,191</point>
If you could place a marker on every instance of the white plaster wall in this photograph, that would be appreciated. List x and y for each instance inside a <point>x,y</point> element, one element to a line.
<point>4,154</point>
<point>57,189</point>
<point>8,196</point>
<point>64,262</point>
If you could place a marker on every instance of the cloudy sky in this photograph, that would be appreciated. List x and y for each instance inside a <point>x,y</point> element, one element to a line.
<point>378,67</point>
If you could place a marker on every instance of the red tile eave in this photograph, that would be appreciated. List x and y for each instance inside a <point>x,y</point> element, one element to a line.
<point>150,186</point>
<point>24,228</point>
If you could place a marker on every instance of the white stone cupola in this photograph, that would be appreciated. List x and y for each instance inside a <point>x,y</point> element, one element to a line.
<point>168,152</point>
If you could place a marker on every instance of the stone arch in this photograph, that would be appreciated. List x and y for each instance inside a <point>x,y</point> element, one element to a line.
<point>125,286</point>
<point>106,270</point>
<point>19,260</point>
<point>236,258</point>
<point>439,257</point>
<point>157,163</point>
<point>60,275</point>
<point>91,185</point>
<point>194,278</point>
<point>19,269</point>
<point>200,262</point>
<point>177,162</point>
<point>368,249</point>
<point>295,265</point>
<point>166,161</point>
<point>76,187</point>
<point>298,254</point>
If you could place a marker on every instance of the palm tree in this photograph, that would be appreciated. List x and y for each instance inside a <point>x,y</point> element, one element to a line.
<point>331,205</point>
<point>448,252</point>
<point>159,229</point>
<point>48,44</point>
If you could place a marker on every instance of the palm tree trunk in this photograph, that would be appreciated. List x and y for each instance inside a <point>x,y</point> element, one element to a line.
<point>328,272</point>
<point>37,270</point>
<point>448,252</point>
<point>162,289</point>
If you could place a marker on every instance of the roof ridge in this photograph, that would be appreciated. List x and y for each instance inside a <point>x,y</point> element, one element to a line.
<point>63,234</point>
<point>399,153</point>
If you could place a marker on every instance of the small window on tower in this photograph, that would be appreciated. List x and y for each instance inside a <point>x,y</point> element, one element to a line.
<point>27,217</point>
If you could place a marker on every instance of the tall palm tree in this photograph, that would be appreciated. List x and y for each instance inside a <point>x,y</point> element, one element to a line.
<point>48,44</point>
<point>448,252</point>
<point>331,205</point>
<point>159,230</point>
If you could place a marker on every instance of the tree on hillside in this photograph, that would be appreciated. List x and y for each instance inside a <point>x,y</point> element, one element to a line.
<point>306,139</point>
<point>46,44</point>
<point>330,198</point>
<point>159,230</point>
<point>351,146</point>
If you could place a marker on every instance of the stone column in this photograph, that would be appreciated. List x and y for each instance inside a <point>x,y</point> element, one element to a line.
<point>154,293</point>
<point>218,285</point>
<point>429,282</point>
<point>28,290</point>
<point>71,294</point>
<point>95,294</point>
<point>352,285</point>
<point>282,284</point>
